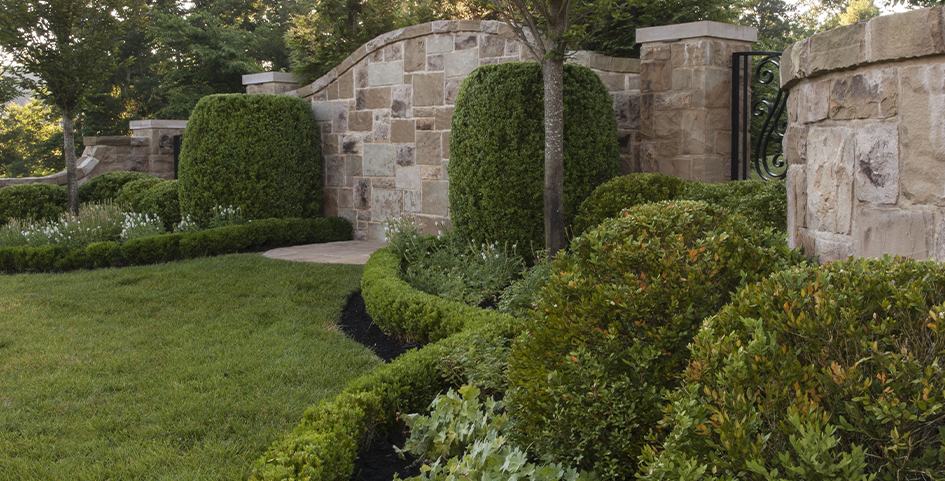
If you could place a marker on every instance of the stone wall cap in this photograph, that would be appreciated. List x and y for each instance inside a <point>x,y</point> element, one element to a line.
<point>157,124</point>
<point>705,28</point>
<point>606,63</point>
<point>270,77</point>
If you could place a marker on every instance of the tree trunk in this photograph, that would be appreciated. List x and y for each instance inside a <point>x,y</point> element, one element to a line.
<point>68,147</point>
<point>553,77</point>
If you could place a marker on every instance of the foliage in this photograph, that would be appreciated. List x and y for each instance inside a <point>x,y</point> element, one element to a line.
<point>106,187</point>
<point>410,314</point>
<point>623,192</point>
<point>332,29</point>
<point>137,225</point>
<point>763,203</point>
<point>465,437</point>
<point>162,200</point>
<point>30,202</point>
<point>519,297</point>
<point>821,372</point>
<point>260,153</point>
<point>9,90</point>
<point>30,140</point>
<point>496,151</point>
<point>482,362</point>
<point>613,322</point>
<point>254,236</point>
<point>118,346</point>
<point>132,193</point>
<point>93,223</point>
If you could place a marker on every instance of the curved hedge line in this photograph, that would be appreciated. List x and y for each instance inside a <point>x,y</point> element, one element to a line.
<point>32,202</point>
<point>254,236</point>
<point>260,153</point>
<point>410,314</point>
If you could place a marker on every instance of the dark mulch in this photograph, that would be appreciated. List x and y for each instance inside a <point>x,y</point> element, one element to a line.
<point>381,462</point>
<point>357,324</point>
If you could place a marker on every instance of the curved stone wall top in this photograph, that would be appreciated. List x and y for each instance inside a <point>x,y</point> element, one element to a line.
<point>917,33</point>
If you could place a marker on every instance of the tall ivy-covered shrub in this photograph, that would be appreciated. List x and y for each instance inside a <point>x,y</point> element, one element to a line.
<point>260,153</point>
<point>612,323</point>
<point>497,150</point>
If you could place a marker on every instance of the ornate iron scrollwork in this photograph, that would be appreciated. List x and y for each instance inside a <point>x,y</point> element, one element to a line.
<point>757,134</point>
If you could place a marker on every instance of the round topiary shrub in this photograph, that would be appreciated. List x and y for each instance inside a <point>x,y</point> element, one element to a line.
<point>617,194</point>
<point>130,195</point>
<point>162,200</point>
<point>32,202</point>
<point>260,153</point>
<point>761,202</point>
<point>496,165</point>
<point>834,372</point>
<point>106,187</point>
<point>613,322</point>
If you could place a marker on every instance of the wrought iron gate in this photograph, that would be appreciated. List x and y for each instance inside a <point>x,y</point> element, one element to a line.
<point>178,141</point>
<point>758,116</point>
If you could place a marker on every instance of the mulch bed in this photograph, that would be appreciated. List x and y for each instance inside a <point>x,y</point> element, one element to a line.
<point>379,462</point>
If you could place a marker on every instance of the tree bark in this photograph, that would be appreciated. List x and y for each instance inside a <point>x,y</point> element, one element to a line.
<point>553,77</point>
<point>68,147</point>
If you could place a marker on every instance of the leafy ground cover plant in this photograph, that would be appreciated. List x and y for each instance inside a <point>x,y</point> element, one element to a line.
<point>466,437</point>
<point>831,372</point>
<point>612,323</point>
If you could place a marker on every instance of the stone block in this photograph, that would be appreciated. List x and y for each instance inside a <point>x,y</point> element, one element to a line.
<point>428,89</point>
<point>444,118</point>
<point>415,55</point>
<point>381,126</point>
<point>908,34</point>
<point>394,52</point>
<point>838,48</point>
<point>461,62</point>
<point>445,145</point>
<point>425,123</point>
<point>373,98</point>
<point>361,120</point>
<point>379,160</point>
<point>354,164</point>
<point>922,132</point>
<point>346,85</point>
<point>465,41</point>
<point>877,163</point>
<point>362,194</point>
<point>812,101</point>
<point>406,155</point>
<point>441,43</point>
<point>796,181</point>
<point>627,110</point>
<point>491,46</point>
<point>334,171</point>
<point>328,111</point>
<point>435,63</point>
<point>656,76</point>
<point>614,82</point>
<point>386,204</point>
<point>428,148</point>
<point>830,164</point>
<point>402,131</point>
<point>408,177</point>
<point>412,202</point>
<point>878,231</point>
<point>826,246</point>
<point>435,200</point>
<point>452,90</point>
<point>385,73</point>
<point>795,144</point>
<point>865,95</point>
<point>351,143</point>
<point>400,104</point>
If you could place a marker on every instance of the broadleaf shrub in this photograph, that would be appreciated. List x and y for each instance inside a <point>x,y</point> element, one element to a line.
<point>497,151</point>
<point>30,202</point>
<point>260,153</point>
<point>624,192</point>
<point>613,321</point>
<point>106,187</point>
<point>831,372</point>
<point>132,193</point>
<point>761,202</point>
<point>163,201</point>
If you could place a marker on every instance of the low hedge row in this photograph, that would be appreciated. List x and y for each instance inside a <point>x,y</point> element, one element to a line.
<point>325,445</point>
<point>32,202</point>
<point>412,315</point>
<point>254,236</point>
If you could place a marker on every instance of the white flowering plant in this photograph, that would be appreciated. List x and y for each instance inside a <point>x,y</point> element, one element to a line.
<point>96,222</point>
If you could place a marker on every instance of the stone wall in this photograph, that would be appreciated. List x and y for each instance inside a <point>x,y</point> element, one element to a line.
<point>386,111</point>
<point>866,138</point>
<point>149,149</point>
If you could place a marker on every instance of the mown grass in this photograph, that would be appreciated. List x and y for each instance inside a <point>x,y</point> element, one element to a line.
<point>183,371</point>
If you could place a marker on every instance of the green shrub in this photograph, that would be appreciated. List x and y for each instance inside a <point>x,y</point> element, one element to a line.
<point>410,314</point>
<point>624,192</point>
<point>94,223</point>
<point>613,323</point>
<point>260,153</point>
<point>519,298</point>
<point>162,200</point>
<point>833,372</point>
<point>497,151</point>
<point>106,187</point>
<point>32,202</point>
<point>132,193</point>
<point>257,235</point>
<point>763,203</point>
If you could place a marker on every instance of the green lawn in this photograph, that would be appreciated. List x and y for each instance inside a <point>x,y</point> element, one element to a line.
<point>183,371</point>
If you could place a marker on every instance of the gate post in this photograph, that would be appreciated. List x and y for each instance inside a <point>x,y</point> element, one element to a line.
<point>685,104</point>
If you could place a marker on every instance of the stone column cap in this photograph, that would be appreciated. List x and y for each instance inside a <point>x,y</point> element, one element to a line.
<point>679,31</point>
<point>157,124</point>
<point>270,77</point>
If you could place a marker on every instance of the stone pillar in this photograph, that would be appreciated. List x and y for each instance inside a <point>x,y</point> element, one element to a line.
<point>270,83</point>
<point>160,149</point>
<point>685,98</point>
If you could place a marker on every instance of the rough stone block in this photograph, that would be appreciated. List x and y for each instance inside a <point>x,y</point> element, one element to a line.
<point>445,145</point>
<point>385,204</point>
<point>400,104</point>
<point>412,201</point>
<point>796,180</point>
<point>381,126</point>
<point>881,231</point>
<point>627,110</point>
<point>877,163</point>
<point>362,194</point>
<point>428,148</point>
<point>379,160</point>
<point>394,52</point>
<point>795,144</point>
<point>346,85</point>
<point>656,76</point>
<point>385,73</point>
<point>826,246</point>
<point>812,101</point>
<point>402,131</point>
<point>461,62</point>
<point>373,98</point>
<point>452,90</point>
<point>408,177</point>
<point>328,111</point>
<point>406,155</point>
<point>908,34</point>
<point>361,120</point>
<point>435,200</point>
<point>415,55</point>
<point>439,43</point>
<point>435,63</point>
<point>334,171</point>
<point>428,89</point>
<point>837,48</point>
<point>465,41</point>
<point>830,163</point>
<point>443,118</point>
<point>922,132</point>
<point>872,94</point>
<point>491,46</point>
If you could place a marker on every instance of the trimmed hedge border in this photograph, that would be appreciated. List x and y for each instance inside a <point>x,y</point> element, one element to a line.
<point>253,236</point>
<point>325,445</point>
<point>410,314</point>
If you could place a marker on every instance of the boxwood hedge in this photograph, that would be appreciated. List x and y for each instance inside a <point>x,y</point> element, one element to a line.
<point>254,236</point>
<point>260,153</point>
<point>497,150</point>
<point>105,188</point>
<point>32,202</point>
<point>163,201</point>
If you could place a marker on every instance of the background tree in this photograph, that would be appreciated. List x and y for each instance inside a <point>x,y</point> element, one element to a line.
<point>66,46</point>
<point>30,140</point>
<point>8,88</point>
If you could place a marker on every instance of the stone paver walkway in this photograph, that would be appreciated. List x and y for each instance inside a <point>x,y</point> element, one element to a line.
<point>347,252</point>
